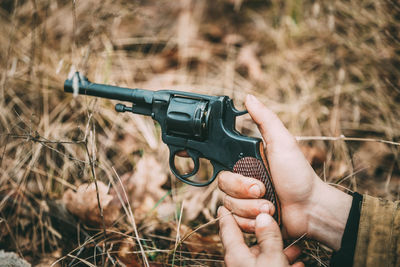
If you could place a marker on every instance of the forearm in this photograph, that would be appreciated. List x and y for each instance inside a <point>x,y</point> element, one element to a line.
<point>328,213</point>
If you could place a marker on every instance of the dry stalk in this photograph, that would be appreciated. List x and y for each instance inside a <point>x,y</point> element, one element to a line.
<point>178,236</point>
<point>344,138</point>
<point>128,211</point>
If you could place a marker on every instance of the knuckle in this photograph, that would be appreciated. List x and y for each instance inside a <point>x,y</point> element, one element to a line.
<point>227,202</point>
<point>272,238</point>
<point>251,181</point>
<point>232,255</point>
<point>222,224</point>
<point>222,180</point>
<point>247,225</point>
<point>226,179</point>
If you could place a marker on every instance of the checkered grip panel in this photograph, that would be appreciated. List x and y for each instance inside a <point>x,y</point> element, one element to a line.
<point>252,167</point>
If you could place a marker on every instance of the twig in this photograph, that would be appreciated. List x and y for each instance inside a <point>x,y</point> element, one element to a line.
<point>73,27</point>
<point>294,242</point>
<point>344,138</point>
<point>33,38</point>
<point>128,211</point>
<point>92,168</point>
<point>202,226</point>
<point>44,142</point>
<point>82,260</point>
<point>4,152</point>
<point>11,39</point>
<point>178,233</point>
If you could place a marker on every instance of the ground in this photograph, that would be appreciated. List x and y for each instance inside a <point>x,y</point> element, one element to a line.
<point>331,71</point>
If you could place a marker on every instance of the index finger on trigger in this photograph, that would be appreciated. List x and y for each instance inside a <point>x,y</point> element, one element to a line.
<point>239,186</point>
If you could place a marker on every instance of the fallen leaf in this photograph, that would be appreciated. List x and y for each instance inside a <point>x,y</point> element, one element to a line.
<point>126,253</point>
<point>83,204</point>
<point>50,259</point>
<point>195,241</point>
<point>144,184</point>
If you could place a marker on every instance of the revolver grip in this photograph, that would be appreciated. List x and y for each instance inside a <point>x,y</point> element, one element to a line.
<point>259,169</point>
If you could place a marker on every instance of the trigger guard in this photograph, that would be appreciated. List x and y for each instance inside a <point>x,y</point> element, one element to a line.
<point>183,177</point>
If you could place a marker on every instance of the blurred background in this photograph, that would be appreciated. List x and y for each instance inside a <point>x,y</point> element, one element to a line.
<point>329,69</point>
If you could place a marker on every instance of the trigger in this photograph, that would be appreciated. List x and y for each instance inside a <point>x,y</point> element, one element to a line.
<point>234,110</point>
<point>192,154</point>
<point>239,113</point>
<point>195,157</point>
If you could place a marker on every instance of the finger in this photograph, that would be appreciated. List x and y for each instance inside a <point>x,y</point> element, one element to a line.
<point>231,236</point>
<point>245,224</point>
<point>248,208</point>
<point>271,127</point>
<point>298,264</point>
<point>239,186</point>
<point>292,253</point>
<point>268,235</point>
<point>182,153</point>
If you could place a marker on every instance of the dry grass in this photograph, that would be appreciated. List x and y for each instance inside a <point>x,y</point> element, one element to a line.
<point>328,69</point>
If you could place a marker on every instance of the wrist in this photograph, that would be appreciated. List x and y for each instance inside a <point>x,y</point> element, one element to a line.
<point>327,214</point>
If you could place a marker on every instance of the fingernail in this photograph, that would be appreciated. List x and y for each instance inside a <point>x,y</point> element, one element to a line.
<point>263,220</point>
<point>264,208</point>
<point>255,190</point>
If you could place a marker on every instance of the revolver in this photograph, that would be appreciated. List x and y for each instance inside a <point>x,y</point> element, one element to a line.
<point>201,125</point>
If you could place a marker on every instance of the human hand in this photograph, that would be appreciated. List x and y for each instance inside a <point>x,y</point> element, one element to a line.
<point>269,250</point>
<point>309,206</point>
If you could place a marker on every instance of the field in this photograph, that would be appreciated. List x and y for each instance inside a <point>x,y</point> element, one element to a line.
<point>81,184</point>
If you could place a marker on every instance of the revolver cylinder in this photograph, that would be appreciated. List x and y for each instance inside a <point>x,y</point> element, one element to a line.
<point>187,117</point>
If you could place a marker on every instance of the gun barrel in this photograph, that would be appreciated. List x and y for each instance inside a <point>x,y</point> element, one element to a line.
<point>85,87</point>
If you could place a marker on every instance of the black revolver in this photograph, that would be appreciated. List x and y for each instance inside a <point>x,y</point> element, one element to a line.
<point>201,125</point>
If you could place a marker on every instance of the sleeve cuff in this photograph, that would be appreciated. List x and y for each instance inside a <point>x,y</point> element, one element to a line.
<point>345,256</point>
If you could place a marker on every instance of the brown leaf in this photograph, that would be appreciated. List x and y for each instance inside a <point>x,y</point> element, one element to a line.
<point>83,203</point>
<point>197,243</point>
<point>145,183</point>
<point>126,253</point>
<point>50,259</point>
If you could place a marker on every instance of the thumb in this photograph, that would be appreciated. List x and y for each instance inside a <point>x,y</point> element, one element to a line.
<point>268,235</point>
<point>271,127</point>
